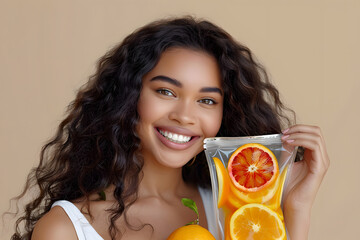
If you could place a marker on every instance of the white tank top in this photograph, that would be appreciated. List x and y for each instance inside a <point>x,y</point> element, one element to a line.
<point>85,231</point>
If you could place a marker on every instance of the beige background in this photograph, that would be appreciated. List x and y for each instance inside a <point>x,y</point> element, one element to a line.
<point>310,48</point>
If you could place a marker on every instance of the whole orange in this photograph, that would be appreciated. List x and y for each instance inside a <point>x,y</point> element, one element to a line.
<point>191,232</point>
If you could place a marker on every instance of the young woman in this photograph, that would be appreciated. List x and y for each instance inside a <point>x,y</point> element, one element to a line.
<point>131,145</point>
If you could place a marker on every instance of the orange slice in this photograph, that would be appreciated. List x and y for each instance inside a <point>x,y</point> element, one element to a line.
<point>275,202</point>
<point>226,198</point>
<point>257,222</point>
<point>253,167</point>
<point>223,182</point>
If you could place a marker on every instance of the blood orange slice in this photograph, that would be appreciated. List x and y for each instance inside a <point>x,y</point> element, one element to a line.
<point>252,167</point>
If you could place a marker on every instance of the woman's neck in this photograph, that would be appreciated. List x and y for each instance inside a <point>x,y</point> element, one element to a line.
<point>161,181</point>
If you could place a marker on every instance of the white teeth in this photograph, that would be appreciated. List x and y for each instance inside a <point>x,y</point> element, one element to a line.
<point>174,137</point>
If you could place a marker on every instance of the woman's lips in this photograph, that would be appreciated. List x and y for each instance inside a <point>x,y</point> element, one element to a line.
<point>176,138</point>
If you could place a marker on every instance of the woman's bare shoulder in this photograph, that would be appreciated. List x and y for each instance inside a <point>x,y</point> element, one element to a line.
<point>54,225</point>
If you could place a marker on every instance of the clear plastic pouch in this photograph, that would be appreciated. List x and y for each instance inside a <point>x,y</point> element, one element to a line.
<point>242,211</point>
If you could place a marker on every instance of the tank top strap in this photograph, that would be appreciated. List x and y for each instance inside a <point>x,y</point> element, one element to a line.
<point>83,228</point>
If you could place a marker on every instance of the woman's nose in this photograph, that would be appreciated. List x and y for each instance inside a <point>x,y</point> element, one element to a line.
<point>183,113</point>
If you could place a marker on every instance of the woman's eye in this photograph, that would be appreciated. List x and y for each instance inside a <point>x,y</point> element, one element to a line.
<point>207,101</point>
<point>165,92</point>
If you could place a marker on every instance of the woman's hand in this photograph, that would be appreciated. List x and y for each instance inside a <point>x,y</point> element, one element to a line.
<point>305,179</point>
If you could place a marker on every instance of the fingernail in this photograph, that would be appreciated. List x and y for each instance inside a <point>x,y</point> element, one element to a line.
<point>285,131</point>
<point>290,140</point>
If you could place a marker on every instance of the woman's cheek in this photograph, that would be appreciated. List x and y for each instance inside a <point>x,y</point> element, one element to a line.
<point>213,123</point>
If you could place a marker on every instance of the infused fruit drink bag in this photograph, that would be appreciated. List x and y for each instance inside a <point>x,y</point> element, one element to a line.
<point>248,176</point>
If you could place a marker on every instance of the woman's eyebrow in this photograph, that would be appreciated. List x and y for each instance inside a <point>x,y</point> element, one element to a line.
<point>211,89</point>
<point>167,79</point>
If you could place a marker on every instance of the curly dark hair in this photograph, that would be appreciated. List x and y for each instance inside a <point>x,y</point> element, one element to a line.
<point>96,145</point>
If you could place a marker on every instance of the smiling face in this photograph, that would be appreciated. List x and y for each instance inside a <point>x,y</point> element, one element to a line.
<point>181,104</point>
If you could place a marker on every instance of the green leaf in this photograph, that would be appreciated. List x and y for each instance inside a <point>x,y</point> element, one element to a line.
<point>187,202</point>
